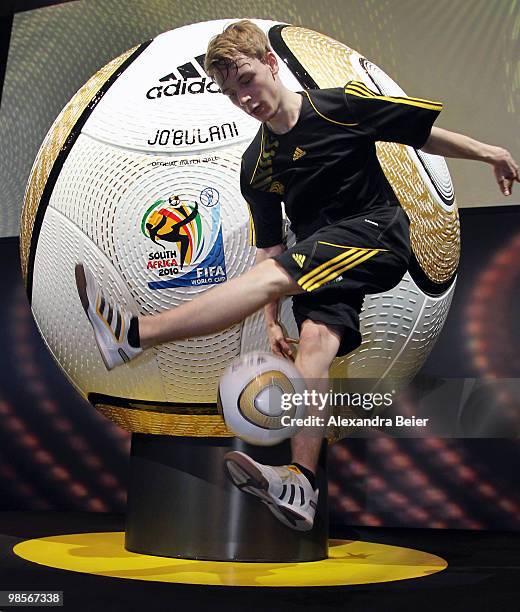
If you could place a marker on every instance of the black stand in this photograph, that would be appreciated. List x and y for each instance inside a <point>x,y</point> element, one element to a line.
<point>181,504</point>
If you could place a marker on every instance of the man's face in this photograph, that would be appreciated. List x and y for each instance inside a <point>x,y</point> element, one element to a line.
<point>251,85</point>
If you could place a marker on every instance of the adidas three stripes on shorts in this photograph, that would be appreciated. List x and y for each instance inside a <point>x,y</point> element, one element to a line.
<point>342,262</point>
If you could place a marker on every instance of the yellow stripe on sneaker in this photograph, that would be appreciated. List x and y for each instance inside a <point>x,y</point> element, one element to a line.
<point>294,469</point>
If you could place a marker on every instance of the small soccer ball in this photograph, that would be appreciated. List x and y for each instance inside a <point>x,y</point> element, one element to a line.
<point>255,398</point>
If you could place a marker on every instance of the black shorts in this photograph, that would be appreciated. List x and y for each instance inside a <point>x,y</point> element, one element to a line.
<point>340,263</point>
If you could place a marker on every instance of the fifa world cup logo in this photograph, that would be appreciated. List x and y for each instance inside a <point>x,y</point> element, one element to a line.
<point>172,224</point>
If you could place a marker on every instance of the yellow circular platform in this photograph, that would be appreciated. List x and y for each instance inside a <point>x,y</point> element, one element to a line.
<point>349,562</point>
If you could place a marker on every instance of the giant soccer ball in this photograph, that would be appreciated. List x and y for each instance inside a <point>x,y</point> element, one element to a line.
<point>148,151</point>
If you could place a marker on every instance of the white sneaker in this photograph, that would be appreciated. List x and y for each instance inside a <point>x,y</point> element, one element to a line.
<point>109,321</point>
<point>284,489</point>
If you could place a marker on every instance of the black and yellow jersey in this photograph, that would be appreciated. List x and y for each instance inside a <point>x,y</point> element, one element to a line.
<point>325,168</point>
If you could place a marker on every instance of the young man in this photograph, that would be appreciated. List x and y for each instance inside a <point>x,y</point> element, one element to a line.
<point>316,152</point>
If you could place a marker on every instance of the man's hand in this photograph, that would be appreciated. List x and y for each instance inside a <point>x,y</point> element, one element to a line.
<point>506,170</point>
<point>280,345</point>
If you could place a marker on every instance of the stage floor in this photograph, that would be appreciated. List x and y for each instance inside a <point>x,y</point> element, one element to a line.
<point>483,573</point>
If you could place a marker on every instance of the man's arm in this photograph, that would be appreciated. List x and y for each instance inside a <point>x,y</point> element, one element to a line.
<point>451,144</point>
<point>277,340</point>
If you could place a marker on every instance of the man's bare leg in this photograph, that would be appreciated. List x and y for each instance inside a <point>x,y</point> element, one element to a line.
<point>318,346</point>
<point>220,307</point>
<point>276,485</point>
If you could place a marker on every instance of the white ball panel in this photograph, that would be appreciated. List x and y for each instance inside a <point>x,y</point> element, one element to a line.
<point>423,334</point>
<point>106,191</point>
<point>127,117</point>
<point>398,329</point>
<point>119,187</point>
<point>191,369</point>
<point>254,334</point>
<point>386,84</point>
<point>62,321</point>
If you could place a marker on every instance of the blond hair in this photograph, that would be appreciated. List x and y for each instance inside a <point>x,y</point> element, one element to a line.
<point>240,38</point>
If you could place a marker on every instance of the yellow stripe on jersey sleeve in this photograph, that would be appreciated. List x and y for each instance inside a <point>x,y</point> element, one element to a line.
<point>360,89</point>
<point>356,88</point>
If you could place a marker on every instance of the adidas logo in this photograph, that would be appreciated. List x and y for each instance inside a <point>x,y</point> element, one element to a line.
<point>189,78</point>
<point>299,259</point>
<point>298,153</point>
<point>188,70</point>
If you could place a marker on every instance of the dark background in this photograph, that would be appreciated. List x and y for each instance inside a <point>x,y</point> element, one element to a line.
<point>57,452</point>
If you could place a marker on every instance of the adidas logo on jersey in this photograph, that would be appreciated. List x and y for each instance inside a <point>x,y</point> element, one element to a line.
<point>299,259</point>
<point>298,153</point>
<point>188,78</point>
